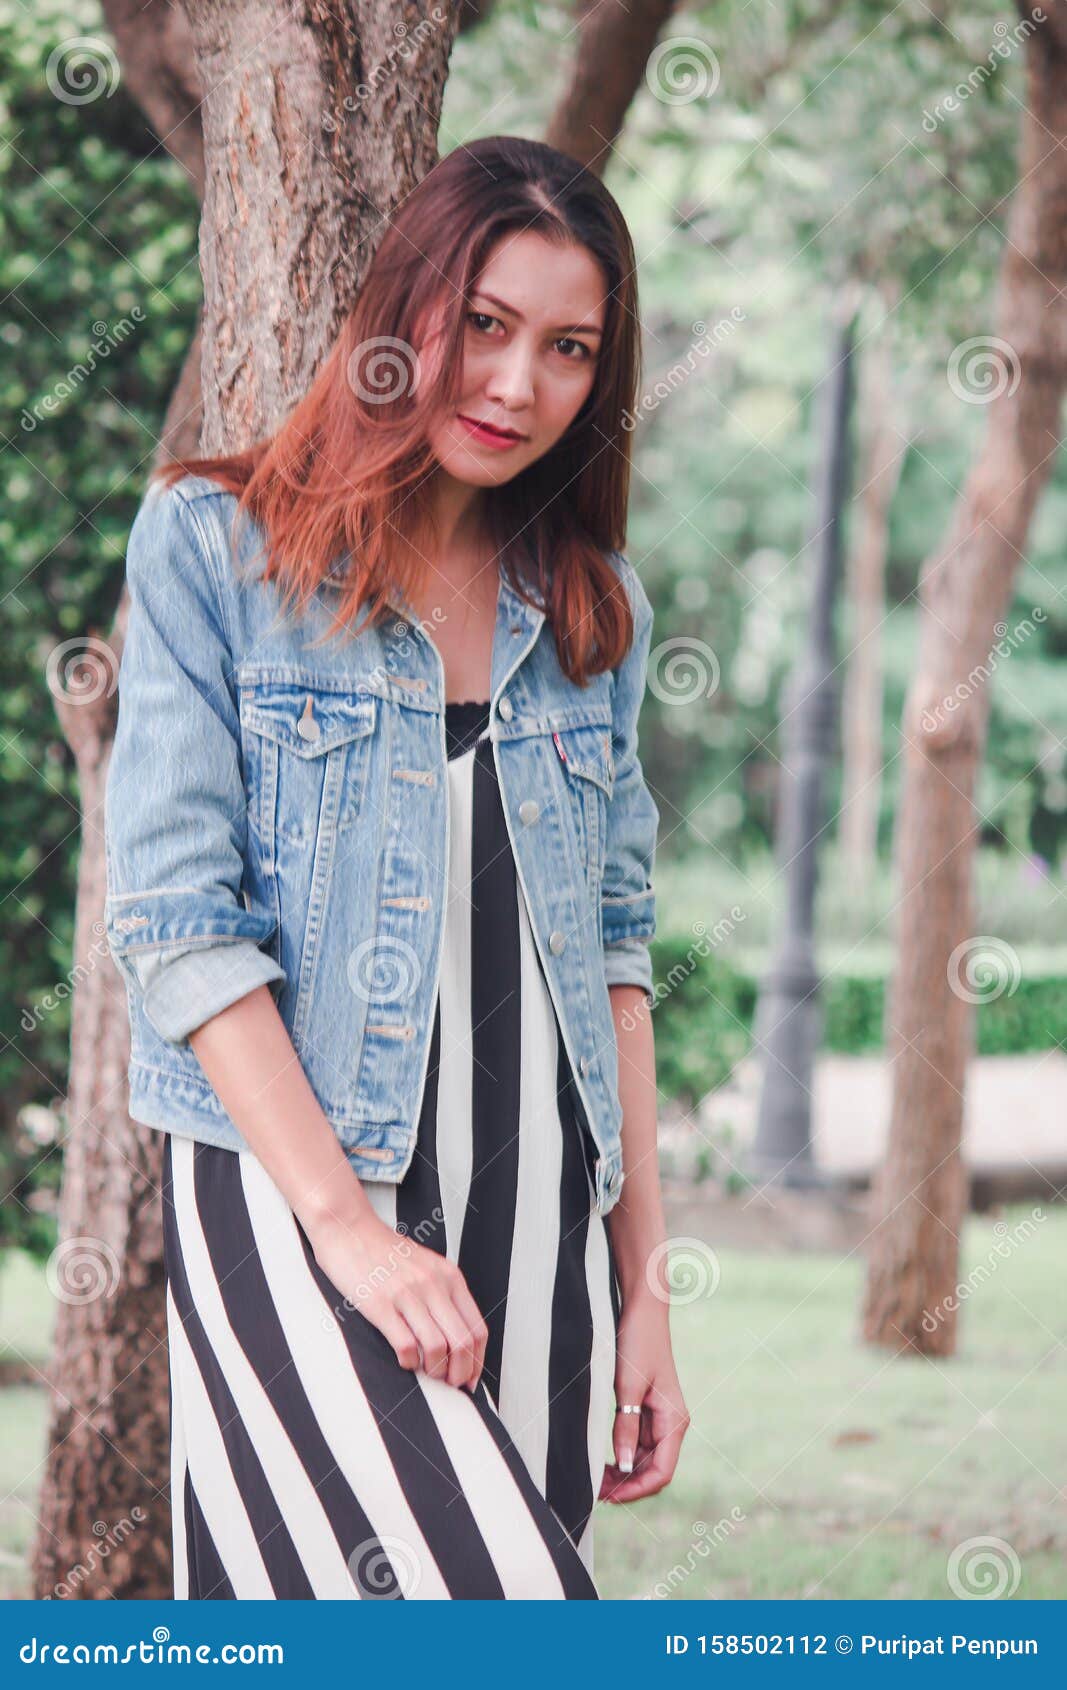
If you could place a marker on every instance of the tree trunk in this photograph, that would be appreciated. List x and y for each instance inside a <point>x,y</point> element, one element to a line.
<point>615,39</point>
<point>104,1511</point>
<point>966,589</point>
<point>291,214</point>
<point>883,444</point>
<point>316,124</point>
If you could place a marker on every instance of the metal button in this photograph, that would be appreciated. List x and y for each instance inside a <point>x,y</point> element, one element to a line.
<point>585,1065</point>
<point>529,810</point>
<point>556,942</point>
<point>504,710</point>
<point>307,727</point>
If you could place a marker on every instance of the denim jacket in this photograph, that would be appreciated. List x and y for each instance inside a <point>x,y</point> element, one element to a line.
<point>278,813</point>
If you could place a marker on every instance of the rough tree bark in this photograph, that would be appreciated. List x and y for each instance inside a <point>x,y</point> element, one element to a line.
<point>966,589</point>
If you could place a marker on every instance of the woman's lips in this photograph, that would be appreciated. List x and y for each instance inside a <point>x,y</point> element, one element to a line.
<point>490,436</point>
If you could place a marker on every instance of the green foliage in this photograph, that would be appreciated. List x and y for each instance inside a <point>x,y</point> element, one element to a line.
<point>30,1172</point>
<point>704,1024</point>
<point>99,276</point>
<point>717,926</point>
<point>703,1020</point>
<point>808,161</point>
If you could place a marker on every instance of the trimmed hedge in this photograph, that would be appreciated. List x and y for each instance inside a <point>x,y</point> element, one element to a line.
<point>706,1005</point>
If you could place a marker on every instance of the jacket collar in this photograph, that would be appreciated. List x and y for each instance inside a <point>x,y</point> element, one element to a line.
<point>518,623</point>
<point>512,610</point>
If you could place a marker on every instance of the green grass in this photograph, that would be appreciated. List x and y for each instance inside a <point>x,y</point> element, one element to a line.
<point>766,1502</point>
<point>773,1374</point>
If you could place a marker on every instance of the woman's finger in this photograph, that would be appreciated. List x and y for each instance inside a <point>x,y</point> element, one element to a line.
<point>432,1342</point>
<point>462,1360</point>
<point>471,1315</point>
<point>630,1389</point>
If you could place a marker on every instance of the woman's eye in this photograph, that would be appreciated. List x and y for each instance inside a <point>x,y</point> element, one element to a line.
<point>481,321</point>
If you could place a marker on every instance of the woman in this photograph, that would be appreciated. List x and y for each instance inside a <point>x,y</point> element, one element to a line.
<point>382,899</point>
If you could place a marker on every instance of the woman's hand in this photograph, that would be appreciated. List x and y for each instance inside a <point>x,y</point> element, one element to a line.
<point>650,1442</point>
<point>418,1299</point>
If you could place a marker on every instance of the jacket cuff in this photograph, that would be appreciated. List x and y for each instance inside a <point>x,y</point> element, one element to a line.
<point>627,962</point>
<point>183,991</point>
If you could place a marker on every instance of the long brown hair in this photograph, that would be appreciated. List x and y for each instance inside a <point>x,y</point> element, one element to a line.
<point>345,476</point>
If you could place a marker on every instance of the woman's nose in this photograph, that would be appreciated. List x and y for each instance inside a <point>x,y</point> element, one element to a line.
<point>510,380</point>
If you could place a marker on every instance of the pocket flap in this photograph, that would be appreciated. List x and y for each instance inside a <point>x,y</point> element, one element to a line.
<point>588,754</point>
<point>307,721</point>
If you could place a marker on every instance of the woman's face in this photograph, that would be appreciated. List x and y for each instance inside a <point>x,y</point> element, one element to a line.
<point>535,317</point>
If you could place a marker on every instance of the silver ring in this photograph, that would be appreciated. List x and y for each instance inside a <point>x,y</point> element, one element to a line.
<point>628,1408</point>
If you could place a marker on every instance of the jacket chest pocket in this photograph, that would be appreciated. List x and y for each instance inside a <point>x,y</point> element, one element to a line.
<point>306,754</point>
<point>589,776</point>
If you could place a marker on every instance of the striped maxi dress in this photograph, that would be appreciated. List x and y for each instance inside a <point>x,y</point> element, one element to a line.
<point>305,1461</point>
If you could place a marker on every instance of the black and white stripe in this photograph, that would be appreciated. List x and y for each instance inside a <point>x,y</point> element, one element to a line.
<point>306,1462</point>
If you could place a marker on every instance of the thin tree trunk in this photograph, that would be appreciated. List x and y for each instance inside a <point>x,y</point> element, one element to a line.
<point>615,38</point>
<point>966,589</point>
<point>883,444</point>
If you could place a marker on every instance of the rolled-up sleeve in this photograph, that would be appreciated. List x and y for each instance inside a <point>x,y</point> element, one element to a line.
<point>184,988</point>
<point>628,900</point>
<point>175,813</point>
